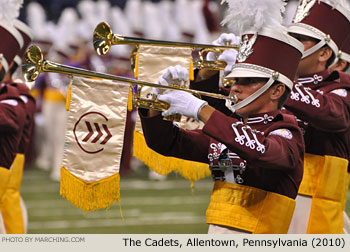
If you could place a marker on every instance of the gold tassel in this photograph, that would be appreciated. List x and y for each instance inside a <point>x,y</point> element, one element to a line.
<point>191,72</point>
<point>136,69</point>
<point>90,196</point>
<point>163,165</point>
<point>130,100</point>
<point>69,93</point>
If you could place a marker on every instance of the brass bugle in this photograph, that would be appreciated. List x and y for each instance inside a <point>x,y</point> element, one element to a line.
<point>34,64</point>
<point>103,39</point>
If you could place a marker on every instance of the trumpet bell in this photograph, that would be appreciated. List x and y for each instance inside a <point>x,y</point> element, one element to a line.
<point>32,63</point>
<point>102,39</point>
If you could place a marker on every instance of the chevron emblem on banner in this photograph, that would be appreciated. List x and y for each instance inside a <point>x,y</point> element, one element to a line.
<point>98,134</point>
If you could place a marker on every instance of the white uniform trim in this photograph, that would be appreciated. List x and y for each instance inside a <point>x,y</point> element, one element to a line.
<point>24,28</point>
<point>248,138</point>
<point>24,98</point>
<point>340,92</point>
<point>315,79</point>
<point>286,133</point>
<point>4,63</point>
<point>11,102</point>
<point>18,60</point>
<point>305,98</point>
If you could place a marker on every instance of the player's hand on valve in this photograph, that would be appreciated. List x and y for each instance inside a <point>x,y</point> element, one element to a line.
<point>229,56</point>
<point>182,102</point>
<point>172,75</point>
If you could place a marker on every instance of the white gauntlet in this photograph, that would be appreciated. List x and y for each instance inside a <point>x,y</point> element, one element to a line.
<point>183,103</point>
<point>228,56</point>
<point>171,74</point>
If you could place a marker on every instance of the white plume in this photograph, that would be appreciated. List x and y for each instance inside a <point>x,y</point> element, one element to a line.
<point>103,8</point>
<point>10,9</point>
<point>86,9</point>
<point>67,27</point>
<point>338,3</point>
<point>252,15</point>
<point>36,17</point>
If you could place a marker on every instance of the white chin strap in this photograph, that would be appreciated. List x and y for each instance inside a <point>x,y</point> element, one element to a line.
<point>344,56</point>
<point>326,41</point>
<point>313,49</point>
<point>249,99</point>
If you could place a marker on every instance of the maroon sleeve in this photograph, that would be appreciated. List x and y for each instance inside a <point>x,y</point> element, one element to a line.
<point>327,112</point>
<point>169,140</point>
<point>10,114</point>
<point>28,125</point>
<point>258,149</point>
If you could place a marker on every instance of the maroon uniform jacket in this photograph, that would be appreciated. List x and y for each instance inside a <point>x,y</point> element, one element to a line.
<point>266,153</point>
<point>321,102</point>
<point>12,114</point>
<point>30,108</point>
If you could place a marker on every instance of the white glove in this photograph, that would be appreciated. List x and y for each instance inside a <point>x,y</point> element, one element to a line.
<point>182,102</point>
<point>229,56</point>
<point>170,76</point>
<point>227,39</point>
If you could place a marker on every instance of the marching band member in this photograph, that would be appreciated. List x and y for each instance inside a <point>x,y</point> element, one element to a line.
<point>342,66</point>
<point>256,153</point>
<point>11,106</point>
<point>321,102</point>
<point>13,208</point>
<point>12,114</point>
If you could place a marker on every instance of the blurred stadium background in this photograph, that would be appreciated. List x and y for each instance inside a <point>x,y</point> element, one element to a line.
<point>63,29</point>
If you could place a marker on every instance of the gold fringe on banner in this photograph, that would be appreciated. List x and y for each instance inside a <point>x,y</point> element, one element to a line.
<point>90,196</point>
<point>163,165</point>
